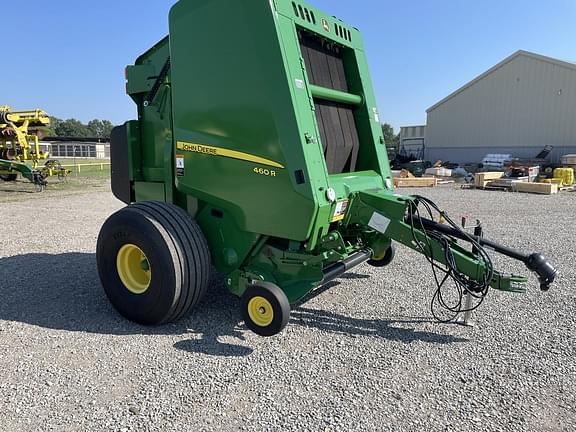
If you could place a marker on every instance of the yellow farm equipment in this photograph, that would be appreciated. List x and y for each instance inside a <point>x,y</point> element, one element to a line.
<point>20,150</point>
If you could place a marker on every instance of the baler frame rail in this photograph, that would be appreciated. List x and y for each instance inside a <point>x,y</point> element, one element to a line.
<point>398,215</point>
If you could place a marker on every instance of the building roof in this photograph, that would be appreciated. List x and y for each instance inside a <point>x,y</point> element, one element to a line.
<point>519,53</point>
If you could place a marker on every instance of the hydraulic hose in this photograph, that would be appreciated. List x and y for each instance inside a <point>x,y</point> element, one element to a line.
<point>535,262</point>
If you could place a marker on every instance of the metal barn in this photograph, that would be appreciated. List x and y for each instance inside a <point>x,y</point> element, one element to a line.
<point>522,104</point>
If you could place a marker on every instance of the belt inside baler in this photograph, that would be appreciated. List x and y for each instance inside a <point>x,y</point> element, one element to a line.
<point>333,102</point>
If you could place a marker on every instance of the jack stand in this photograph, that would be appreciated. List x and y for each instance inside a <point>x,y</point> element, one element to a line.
<point>467,320</point>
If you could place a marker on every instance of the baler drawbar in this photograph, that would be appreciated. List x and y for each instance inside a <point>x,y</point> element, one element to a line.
<point>258,150</point>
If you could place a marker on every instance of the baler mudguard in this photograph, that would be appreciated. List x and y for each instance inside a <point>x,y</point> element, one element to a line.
<point>258,142</point>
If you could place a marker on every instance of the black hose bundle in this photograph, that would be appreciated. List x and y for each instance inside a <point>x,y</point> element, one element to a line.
<point>463,284</point>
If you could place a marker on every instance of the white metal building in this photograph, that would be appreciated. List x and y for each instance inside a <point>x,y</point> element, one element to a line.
<point>519,106</point>
<point>83,150</point>
<point>413,140</point>
<point>412,135</point>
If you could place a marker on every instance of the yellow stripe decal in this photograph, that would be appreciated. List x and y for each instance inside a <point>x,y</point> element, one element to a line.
<point>217,151</point>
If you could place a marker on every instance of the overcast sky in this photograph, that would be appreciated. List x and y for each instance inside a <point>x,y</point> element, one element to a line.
<point>68,57</point>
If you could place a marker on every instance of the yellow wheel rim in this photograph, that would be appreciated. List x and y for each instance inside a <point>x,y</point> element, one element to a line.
<point>133,269</point>
<point>380,256</point>
<point>260,311</point>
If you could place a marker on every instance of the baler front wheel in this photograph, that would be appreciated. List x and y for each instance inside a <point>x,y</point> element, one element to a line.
<point>153,262</point>
<point>384,259</point>
<point>265,309</point>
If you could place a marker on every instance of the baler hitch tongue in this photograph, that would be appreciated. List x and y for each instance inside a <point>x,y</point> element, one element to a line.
<point>545,271</point>
<point>509,283</point>
<point>535,262</point>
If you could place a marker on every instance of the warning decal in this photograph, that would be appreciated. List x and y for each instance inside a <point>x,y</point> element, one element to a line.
<point>180,165</point>
<point>340,212</point>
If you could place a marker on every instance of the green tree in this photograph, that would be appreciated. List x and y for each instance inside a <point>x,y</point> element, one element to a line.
<point>54,122</point>
<point>100,128</point>
<point>72,128</point>
<point>392,139</point>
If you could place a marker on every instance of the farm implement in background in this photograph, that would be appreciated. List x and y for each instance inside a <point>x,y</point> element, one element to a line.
<point>20,149</point>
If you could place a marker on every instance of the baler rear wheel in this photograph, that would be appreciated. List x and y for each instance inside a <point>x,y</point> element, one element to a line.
<point>153,262</point>
<point>8,177</point>
<point>385,259</point>
<point>265,309</point>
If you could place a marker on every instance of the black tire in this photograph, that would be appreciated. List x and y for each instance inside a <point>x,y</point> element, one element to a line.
<point>384,261</point>
<point>8,154</point>
<point>177,255</point>
<point>275,299</point>
<point>8,177</point>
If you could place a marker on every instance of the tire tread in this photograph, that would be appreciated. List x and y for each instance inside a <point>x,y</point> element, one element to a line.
<point>189,253</point>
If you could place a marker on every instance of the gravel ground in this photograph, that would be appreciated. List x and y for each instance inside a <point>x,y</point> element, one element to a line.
<point>22,189</point>
<point>362,356</point>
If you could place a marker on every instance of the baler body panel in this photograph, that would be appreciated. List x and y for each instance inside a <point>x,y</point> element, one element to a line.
<point>267,108</point>
<point>230,95</point>
<point>245,122</point>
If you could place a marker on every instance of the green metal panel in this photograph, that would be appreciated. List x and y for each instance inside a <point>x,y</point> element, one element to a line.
<point>233,124</point>
<point>148,191</point>
<point>253,97</point>
<point>134,155</point>
<point>229,245</point>
<point>155,120</point>
<point>238,100</point>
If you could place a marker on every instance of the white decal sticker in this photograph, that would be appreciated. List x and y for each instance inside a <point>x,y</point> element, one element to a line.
<point>299,83</point>
<point>179,165</point>
<point>379,223</point>
<point>340,212</point>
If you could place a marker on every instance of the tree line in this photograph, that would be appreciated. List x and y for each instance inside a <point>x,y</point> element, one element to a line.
<point>75,128</point>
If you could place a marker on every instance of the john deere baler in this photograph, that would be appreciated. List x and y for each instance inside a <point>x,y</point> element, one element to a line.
<point>258,150</point>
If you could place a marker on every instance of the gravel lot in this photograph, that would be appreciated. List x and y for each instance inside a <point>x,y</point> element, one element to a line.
<point>362,356</point>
